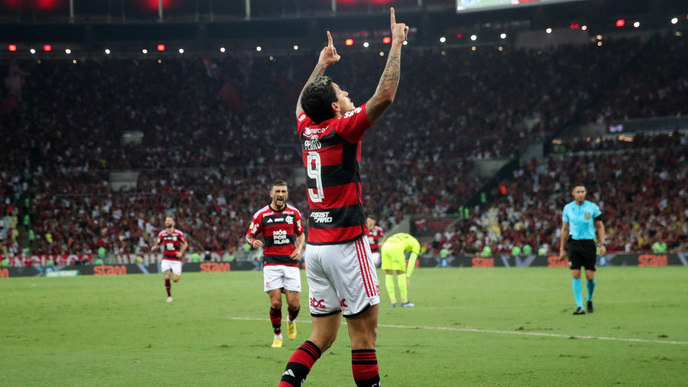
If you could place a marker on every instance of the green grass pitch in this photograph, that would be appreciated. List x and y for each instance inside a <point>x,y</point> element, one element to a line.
<point>492,327</point>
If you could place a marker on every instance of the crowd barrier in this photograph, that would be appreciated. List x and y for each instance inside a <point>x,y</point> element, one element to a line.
<point>643,260</point>
<point>110,270</point>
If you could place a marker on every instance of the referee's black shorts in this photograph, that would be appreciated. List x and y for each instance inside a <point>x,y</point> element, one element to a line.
<point>581,253</point>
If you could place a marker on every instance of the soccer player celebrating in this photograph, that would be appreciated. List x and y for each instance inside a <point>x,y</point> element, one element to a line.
<point>394,261</point>
<point>173,245</point>
<point>580,219</point>
<point>376,237</point>
<point>281,226</point>
<point>341,275</point>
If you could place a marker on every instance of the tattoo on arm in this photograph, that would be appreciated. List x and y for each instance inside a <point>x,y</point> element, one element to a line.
<point>391,75</point>
<point>387,88</point>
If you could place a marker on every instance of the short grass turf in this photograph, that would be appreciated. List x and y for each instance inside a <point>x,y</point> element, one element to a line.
<point>493,327</point>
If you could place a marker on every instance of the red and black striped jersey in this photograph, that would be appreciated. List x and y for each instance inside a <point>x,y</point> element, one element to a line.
<point>375,235</point>
<point>331,152</point>
<point>280,229</point>
<point>171,244</point>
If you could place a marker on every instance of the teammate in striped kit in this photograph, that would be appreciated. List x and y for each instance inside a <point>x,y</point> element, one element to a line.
<point>281,226</point>
<point>376,237</point>
<point>341,275</point>
<point>173,245</point>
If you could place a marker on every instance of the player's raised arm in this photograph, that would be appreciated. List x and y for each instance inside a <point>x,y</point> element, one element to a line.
<point>328,56</point>
<point>389,81</point>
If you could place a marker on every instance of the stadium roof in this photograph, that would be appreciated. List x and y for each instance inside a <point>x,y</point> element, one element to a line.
<point>206,25</point>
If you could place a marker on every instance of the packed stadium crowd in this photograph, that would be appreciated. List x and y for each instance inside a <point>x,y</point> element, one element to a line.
<point>217,131</point>
<point>653,84</point>
<point>641,192</point>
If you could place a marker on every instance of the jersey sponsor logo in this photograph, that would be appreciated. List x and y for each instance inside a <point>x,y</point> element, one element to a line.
<point>279,237</point>
<point>313,144</point>
<point>253,227</point>
<point>314,131</point>
<point>317,304</point>
<point>321,217</point>
<point>352,112</point>
<point>269,220</point>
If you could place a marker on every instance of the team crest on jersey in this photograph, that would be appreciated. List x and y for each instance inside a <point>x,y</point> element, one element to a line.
<point>289,219</point>
<point>587,216</point>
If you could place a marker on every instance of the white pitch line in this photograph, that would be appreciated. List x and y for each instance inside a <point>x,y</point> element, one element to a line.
<point>494,331</point>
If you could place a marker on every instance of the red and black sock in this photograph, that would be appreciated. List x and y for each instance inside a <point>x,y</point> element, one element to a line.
<point>300,364</point>
<point>276,320</point>
<point>168,287</point>
<point>293,313</point>
<point>364,367</point>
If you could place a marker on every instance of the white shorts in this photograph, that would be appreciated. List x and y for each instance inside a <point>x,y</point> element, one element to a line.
<point>281,277</point>
<point>376,259</point>
<point>341,277</point>
<point>168,264</point>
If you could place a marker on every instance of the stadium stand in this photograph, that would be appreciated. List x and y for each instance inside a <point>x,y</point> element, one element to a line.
<point>641,192</point>
<point>216,131</point>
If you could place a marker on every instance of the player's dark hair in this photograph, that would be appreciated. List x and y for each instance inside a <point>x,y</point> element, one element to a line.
<point>371,216</point>
<point>278,183</point>
<point>317,99</point>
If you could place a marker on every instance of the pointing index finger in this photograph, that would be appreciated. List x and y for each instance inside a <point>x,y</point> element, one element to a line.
<point>392,19</point>
<point>329,39</point>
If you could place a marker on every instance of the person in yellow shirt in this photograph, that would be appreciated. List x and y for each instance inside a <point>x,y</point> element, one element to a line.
<point>394,252</point>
